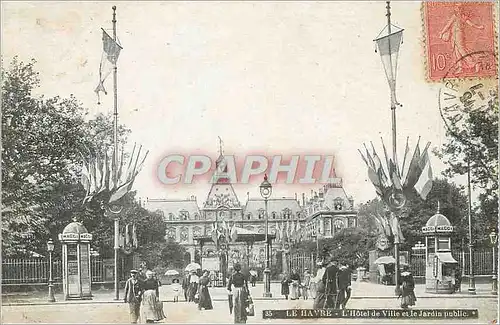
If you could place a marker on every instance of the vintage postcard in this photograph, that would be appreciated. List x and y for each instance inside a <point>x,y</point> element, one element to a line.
<point>249,162</point>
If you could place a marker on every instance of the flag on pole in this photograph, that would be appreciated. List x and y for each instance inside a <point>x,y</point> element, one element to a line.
<point>134,236</point>
<point>127,235</point>
<point>424,183</point>
<point>111,51</point>
<point>234,233</point>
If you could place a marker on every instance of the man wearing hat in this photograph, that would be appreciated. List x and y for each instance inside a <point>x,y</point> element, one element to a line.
<point>330,280</point>
<point>133,295</point>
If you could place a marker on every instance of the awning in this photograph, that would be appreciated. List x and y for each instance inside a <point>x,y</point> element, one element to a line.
<point>446,258</point>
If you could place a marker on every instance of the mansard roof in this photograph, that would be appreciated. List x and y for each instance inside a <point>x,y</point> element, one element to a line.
<point>334,194</point>
<point>173,206</point>
<point>273,204</point>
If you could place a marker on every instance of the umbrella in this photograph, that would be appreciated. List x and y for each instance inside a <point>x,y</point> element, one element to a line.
<point>193,267</point>
<point>230,301</point>
<point>385,260</point>
<point>253,272</point>
<point>172,272</point>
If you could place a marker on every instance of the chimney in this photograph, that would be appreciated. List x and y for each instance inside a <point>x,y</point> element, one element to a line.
<point>303,199</point>
<point>351,202</point>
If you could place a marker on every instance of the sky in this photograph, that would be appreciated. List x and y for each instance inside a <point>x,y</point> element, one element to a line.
<point>280,77</point>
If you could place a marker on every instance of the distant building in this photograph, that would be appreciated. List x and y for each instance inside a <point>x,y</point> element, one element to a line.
<point>186,220</point>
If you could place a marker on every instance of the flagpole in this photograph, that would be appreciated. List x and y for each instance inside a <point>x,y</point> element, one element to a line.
<point>115,158</point>
<point>393,115</point>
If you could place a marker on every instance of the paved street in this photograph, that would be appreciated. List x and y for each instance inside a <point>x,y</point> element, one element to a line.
<point>104,310</point>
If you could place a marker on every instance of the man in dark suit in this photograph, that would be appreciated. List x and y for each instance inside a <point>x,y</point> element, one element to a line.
<point>330,280</point>
<point>133,295</point>
<point>185,284</point>
<point>344,286</point>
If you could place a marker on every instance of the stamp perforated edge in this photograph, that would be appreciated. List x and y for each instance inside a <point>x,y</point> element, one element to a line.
<point>425,49</point>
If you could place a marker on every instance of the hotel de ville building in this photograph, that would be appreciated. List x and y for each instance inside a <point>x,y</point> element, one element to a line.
<point>324,212</point>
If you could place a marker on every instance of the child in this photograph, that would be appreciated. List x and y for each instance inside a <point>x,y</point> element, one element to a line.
<point>176,288</point>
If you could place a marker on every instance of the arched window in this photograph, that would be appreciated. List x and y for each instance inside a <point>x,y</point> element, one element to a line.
<point>171,233</point>
<point>184,235</point>
<point>196,216</point>
<point>274,214</point>
<point>262,213</point>
<point>249,216</point>
<point>196,231</point>
<point>287,213</point>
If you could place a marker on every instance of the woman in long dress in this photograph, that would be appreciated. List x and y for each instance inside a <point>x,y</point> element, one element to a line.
<point>205,301</point>
<point>320,299</point>
<point>193,285</point>
<point>151,309</point>
<point>408,297</point>
<point>295,278</point>
<point>238,287</point>
<point>285,285</point>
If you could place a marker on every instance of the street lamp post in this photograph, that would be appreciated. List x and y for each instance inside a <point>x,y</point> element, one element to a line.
<point>50,249</point>
<point>265,191</point>
<point>494,283</point>
<point>472,281</point>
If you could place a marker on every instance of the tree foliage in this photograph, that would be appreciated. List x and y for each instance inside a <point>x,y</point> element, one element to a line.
<point>474,143</point>
<point>165,254</point>
<point>41,143</point>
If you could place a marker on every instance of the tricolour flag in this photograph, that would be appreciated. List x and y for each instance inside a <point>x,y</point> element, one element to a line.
<point>234,233</point>
<point>111,51</point>
<point>424,183</point>
<point>134,236</point>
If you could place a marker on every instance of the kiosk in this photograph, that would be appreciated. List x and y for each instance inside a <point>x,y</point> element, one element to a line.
<point>75,241</point>
<point>440,266</point>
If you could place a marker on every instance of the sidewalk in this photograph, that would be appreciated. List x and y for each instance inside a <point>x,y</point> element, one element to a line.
<point>360,290</point>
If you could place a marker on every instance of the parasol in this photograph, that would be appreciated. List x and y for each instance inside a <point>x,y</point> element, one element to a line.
<point>230,301</point>
<point>172,272</point>
<point>253,272</point>
<point>193,267</point>
<point>385,260</point>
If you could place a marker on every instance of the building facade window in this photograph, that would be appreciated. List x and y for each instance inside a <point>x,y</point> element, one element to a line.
<point>338,204</point>
<point>184,215</point>
<point>287,213</point>
<point>328,227</point>
<point>184,235</point>
<point>249,216</point>
<point>171,216</point>
<point>274,215</point>
<point>262,213</point>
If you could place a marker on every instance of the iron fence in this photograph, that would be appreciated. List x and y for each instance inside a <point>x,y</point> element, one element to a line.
<point>36,271</point>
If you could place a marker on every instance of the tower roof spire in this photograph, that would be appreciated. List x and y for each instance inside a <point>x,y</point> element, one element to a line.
<point>221,152</point>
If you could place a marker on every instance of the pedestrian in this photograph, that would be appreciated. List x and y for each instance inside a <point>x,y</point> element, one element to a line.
<point>253,277</point>
<point>133,296</point>
<point>205,301</point>
<point>408,297</point>
<point>285,285</point>
<point>185,284</point>
<point>193,286</point>
<point>238,287</point>
<point>344,286</point>
<point>295,278</point>
<point>320,299</point>
<point>152,307</point>
<point>306,283</point>
<point>176,288</point>
<point>330,279</point>
<point>313,286</point>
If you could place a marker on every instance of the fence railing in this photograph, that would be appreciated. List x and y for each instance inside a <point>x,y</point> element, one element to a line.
<point>36,271</point>
<point>482,263</point>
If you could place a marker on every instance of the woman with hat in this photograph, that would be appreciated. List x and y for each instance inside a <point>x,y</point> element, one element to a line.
<point>205,301</point>
<point>193,285</point>
<point>152,307</point>
<point>320,297</point>
<point>238,287</point>
<point>408,297</point>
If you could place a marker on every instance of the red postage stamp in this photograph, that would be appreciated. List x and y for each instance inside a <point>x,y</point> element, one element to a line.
<point>460,40</point>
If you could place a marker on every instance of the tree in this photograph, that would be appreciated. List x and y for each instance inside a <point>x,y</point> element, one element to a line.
<point>476,141</point>
<point>166,254</point>
<point>41,144</point>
